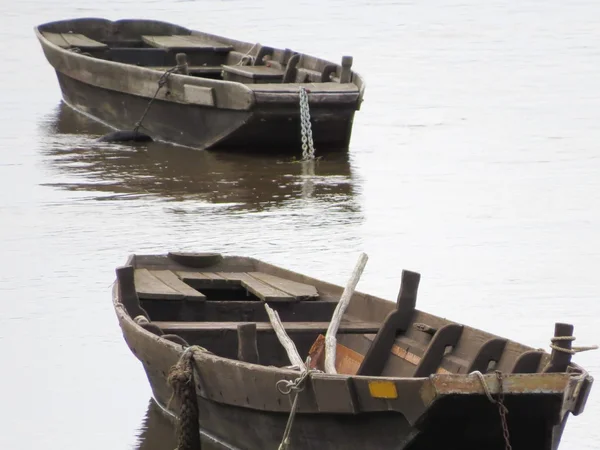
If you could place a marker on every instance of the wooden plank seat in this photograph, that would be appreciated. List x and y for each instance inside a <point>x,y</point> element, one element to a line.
<point>256,74</point>
<point>186,43</point>
<point>347,327</point>
<point>163,284</point>
<point>72,40</point>
<point>266,287</point>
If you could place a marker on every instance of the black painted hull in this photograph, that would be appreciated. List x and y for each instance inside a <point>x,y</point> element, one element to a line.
<point>452,424</point>
<point>205,127</point>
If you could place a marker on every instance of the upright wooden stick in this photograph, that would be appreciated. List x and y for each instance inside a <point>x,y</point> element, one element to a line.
<point>285,340</point>
<point>330,340</point>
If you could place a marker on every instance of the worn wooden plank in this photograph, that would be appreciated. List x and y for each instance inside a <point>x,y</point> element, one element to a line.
<point>334,394</point>
<point>205,276</point>
<point>148,286</point>
<point>358,327</point>
<point>528,362</point>
<point>299,290</point>
<point>397,321</point>
<point>262,290</point>
<point>185,42</point>
<point>67,40</point>
<point>172,280</point>
<point>446,336</point>
<point>255,72</point>
<point>489,351</point>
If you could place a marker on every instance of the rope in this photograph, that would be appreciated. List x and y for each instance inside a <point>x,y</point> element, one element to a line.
<point>572,350</point>
<point>181,379</point>
<point>296,386</point>
<point>247,55</point>
<point>485,386</point>
<point>502,409</point>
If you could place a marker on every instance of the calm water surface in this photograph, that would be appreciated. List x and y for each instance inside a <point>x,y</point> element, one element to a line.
<point>474,161</point>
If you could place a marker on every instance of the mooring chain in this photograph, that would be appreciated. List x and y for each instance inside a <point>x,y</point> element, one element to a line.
<point>308,148</point>
<point>161,82</point>
<point>502,409</point>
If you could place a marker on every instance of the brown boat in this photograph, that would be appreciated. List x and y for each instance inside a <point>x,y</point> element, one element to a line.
<point>198,89</point>
<point>401,378</point>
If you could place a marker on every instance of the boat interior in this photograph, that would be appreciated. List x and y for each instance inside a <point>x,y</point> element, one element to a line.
<point>218,302</point>
<point>156,45</point>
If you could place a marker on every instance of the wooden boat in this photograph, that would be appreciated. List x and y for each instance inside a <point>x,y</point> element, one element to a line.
<point>405,379</point>
<point>216,92</point>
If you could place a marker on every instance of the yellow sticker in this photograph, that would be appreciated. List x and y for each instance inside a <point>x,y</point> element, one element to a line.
<point>383,389</point>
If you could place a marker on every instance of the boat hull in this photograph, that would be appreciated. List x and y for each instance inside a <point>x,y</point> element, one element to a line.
<point>201,112</point>
<point>199,127</point>
<point>454,422</point>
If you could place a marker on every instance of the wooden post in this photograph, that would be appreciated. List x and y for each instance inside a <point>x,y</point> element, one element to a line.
<point>330,340</point>
<point>247,348</point>
<point>346,75</point>
<point>559,360</point>
<point>182,63</point>
<point>285,340</point>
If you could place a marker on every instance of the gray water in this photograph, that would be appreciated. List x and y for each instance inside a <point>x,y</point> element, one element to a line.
<point>474,160</point>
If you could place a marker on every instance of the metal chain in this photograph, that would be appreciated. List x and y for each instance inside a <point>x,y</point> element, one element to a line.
<point>308,149</point>
<point>503,410</point>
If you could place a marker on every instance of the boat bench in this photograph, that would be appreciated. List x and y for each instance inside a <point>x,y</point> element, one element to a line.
<point>252,74</point>
<point>346,327</point>
<point>74,40</point>
<point>199,50</point>
<point>188,285</point>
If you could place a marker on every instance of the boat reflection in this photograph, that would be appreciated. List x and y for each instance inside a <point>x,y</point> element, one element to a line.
<point>233,180</point>
<point>157,431</point>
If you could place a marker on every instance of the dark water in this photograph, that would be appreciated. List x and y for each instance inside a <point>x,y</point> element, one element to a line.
<point>474,160</point>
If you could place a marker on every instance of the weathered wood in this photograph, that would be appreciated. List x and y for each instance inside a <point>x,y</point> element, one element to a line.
<point>255,72</point>
<point>196,260</point>
<point>559,360</point>
<point>127,293</point>
<point>262,290</point>
<point>247,348</point>
<point>346,75</point>
<point>356,327</point>
<point>396,322</point>
<point>334,393</point>
<point>528,362</point>
<point>489,351</point>
<point>284,339</point>
<point>300,291</point>
<point>68,40</point>
<point>290,70</point>
<point>328,71</point>
<point>169,278</point>
<point>263,51</point>
<point>204,276</point>
<point>236,310</point>
<point>446,336</point>
<point>330,340</point>
<point>187,42</point>
<point>148,286</point>
<point>182,63</point>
